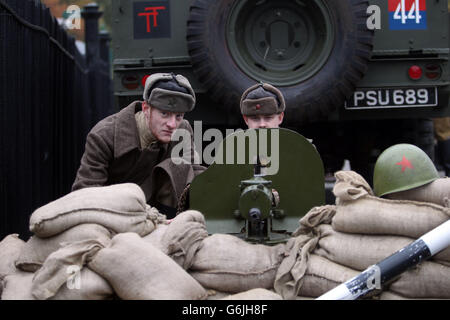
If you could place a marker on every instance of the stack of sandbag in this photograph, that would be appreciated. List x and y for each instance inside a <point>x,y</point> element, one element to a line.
<point>70,231</point>
<point>119,208</point>
<point>226,266</point>
<point>135,269</point>
<point>358,232</point>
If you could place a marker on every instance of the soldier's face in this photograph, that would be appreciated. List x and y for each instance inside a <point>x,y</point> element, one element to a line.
<point>162,124</point>
<point>264,122</point>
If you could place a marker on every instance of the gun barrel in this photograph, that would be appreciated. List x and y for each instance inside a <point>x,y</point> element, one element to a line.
<point>372,278</point>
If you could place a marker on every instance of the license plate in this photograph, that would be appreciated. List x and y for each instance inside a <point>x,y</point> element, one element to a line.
<point>392,98</point>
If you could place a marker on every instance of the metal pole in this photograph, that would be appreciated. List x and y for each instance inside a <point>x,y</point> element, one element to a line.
<point>104,45</point>
<point>91,14</point>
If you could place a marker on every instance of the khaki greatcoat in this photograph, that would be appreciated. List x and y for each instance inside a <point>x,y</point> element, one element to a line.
<point>113,155</point>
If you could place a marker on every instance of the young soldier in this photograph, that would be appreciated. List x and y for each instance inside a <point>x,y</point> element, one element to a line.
<point>262,106</point>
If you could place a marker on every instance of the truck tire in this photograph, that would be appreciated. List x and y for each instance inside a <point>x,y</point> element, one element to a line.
<point>315,52</point>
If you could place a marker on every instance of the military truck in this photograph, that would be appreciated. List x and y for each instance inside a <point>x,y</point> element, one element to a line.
<point>358,76</point>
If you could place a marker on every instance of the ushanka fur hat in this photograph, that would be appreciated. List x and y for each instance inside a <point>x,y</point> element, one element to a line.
<point>262,99</point>
<point>169,92</point>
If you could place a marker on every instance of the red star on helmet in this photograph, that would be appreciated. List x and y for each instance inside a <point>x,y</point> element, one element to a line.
<point>405,163</point>
<point>258,106</point>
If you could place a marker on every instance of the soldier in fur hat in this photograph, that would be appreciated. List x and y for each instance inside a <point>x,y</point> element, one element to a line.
<point>262,106</point>
<point>134,145</point>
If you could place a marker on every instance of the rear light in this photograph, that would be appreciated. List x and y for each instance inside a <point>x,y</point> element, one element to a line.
<point>130,82</point>
<point>144,79</point>
<point>433,71</point>
<point>415,72</point>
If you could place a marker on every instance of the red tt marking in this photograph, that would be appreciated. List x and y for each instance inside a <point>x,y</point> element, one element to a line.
<point>153,11</point>
<point>405,163</point>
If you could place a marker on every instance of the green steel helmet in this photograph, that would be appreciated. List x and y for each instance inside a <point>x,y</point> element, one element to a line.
<point>402,167</point>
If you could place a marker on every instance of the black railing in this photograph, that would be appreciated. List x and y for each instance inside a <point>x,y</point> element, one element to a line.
<point>50,97</point>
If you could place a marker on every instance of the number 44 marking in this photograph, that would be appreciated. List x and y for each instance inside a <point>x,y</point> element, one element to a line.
<point>413,13</point>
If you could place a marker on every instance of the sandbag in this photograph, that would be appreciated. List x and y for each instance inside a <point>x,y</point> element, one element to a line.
<point>427,280</point>
<point>155,237</point>
<point>350,186</point>
<point>139,271</point>
<point>315,217</point>
<point>36,250</point>
<point>62,264</point>
<point>372,215</point>
<point>91,286</point>
<point>119,208</point>
<point>323,275</point>
<point>184,236</point>
<point>290,274</point>
<point>388,295</point>
<point>17,286</point>
<point>228,263</point>
<point>254,294</point>
<point>10,248</point>
<point>216,295</point>
<point>358,251</point>
<point>437,192</point>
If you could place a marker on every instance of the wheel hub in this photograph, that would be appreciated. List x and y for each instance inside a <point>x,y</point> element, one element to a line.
<point>280,42</point>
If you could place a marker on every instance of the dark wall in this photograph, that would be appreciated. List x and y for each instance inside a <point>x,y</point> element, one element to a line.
<point>47,106</point>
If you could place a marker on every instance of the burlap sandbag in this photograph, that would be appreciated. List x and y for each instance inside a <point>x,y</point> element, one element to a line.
<point>155,237</point>
<point>350,186</point>
<point>437,192</point>
<point>17,286</point>
<point>322,275</point>
<point>139,271</point>
<point>184,236</point>
<point>254,294</point>
<point>388,295</point>
<point>372,215</point>
<point>427,280</point>
<point>61,265</point>
<point>290,274</point>
<point>91,286</point>
<point>36,250</point>
<point>228,263</point>
<point>10,248</point>
<point>119,208</point>
<point>215,294</point>
<point>358,251</point>
<point>315,217</point>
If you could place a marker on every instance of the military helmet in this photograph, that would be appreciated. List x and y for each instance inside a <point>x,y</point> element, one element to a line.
<point>169,92</point>
<point>402,167</point>
<point>262,99</point>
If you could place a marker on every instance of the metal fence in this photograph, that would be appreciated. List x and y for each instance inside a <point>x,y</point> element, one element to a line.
<point>50,97</point>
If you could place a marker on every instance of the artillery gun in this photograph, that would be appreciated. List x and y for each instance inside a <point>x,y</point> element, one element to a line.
<point>259,193</point>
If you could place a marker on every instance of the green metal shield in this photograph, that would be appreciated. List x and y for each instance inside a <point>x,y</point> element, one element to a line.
<point>295,169</point>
